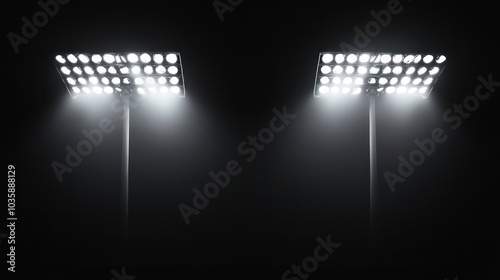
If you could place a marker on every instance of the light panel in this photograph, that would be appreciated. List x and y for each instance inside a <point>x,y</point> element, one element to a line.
<point>377,73</point>
<point>115,73</point>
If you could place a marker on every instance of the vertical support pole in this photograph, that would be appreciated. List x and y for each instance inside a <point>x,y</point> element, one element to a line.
<point>373,164</point>
<point>125,160</point>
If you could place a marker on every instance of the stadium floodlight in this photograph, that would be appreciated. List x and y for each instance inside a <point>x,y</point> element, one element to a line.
<point>400,74</point>
<point>118,67</point>
<point>122,74</point>
<point>380,65</point>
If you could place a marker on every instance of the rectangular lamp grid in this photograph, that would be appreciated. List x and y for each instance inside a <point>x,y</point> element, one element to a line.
<point>114,73</point>
<point>377,73</point>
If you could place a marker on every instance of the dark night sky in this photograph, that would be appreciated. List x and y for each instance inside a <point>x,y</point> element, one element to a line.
<point>311,181</point>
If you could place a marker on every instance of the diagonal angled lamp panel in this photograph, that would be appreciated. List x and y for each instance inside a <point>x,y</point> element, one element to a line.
<point>377,73</point>
<point>109,73</point>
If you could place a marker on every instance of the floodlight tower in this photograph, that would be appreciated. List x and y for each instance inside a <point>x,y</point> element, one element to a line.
<point>124,75</point>
<point>374,74</point>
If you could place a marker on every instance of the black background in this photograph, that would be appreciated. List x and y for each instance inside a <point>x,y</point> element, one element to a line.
<point>311,181</point>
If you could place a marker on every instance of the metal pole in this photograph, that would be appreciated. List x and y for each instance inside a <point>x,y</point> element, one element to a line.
<point>125,158</point>
<point>373,164</point>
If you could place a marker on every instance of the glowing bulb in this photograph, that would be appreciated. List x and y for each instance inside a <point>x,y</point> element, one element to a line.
<point>362,70</point>
<point>397,70</point>
<point>441,59</point>
<point>101,69</point>
<point>65,70</point>
<point>405,80</point>
<point>409,58</point>
<point>60,59</point>
<point>161,69</point>
<point>410,70</point>
<point>97,89</point>
<point>148,70</point>
<point>158,58</point>
<point>349,69</point>
<point>112,70</point>
<point>139,81</point>
<point>386,58</point>
<point>136,69</point>
<point>109,58</point>
<point>96,58</point>
<point>397,58</point>
<point>108,89</point>
<point>72,58</point>
<point>351,58</point>
<point>417,58</point>
<point>434,71</point>
<point>323,89</point>
<point>132,58</point>
<point>83,58</point>
<point>173,70</point>
<point>71,81</point>
<point>175,89</point>
<point>145,58</point>
<point>88,70</point>
<point>327,58</point>
<point>93,80</point>
<point>171,58</point>
<point>374,70</point>
<point>162,80</point>
<point>124,70</point>
<point>77,70</point>
<point>326,69</point>
<point>421,70</point>
<point>324,80</point>
<point>339,58</point>
<point>428,58</point>
<point>364,58</point>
